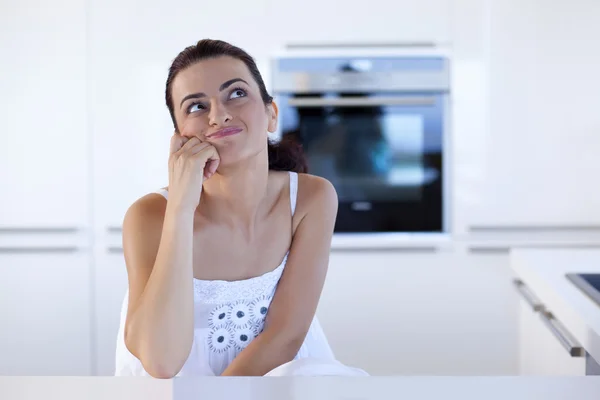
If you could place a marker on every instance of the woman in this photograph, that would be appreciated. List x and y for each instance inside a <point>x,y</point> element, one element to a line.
<point>227,264</point>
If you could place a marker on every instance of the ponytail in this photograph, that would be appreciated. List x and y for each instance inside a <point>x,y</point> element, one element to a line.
<point>286,155</point>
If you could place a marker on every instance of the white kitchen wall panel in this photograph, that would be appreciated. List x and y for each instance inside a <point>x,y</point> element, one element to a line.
<point>318,22</point>
<point>44,149</point>
<point>544,128</point>
<point>45,305</point>
<point>111,284</point>
<point>45,282</point>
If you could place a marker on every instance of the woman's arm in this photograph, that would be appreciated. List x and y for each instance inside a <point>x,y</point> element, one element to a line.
<point>157,245</point>
<point>297,296</point>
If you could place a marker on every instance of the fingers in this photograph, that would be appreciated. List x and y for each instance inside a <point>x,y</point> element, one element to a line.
<point>180,143</point>
<point>206,151</point>
<point>211,168</point>
<point>197,148</point>
<point>194,148</point>
<point>177,141</point>
<point>211,159</point>
<point>187,145</point>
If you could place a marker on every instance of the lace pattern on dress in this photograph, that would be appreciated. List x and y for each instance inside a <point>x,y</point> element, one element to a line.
<point>221,292</point>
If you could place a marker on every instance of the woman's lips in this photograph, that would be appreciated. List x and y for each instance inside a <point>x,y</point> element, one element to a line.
<point>224,132</point>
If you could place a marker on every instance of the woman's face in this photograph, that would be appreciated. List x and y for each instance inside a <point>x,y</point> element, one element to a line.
<point>218,101</point>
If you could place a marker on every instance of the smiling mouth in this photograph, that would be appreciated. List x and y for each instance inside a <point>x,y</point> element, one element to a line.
<point>224,132</point>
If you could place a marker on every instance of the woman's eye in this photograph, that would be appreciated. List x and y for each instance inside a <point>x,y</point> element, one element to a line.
<point>237,93</point>
<point>195,107</point>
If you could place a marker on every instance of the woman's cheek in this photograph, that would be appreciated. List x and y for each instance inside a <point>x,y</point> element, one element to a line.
<point>191,126</point>
<point>256,116</point>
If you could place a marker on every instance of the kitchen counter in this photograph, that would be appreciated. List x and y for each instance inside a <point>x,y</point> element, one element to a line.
<point>544,272</point>
<point>330,388</point>
<point>390,241</point>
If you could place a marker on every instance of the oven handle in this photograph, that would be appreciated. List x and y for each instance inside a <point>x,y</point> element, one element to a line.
<point>360,101</point>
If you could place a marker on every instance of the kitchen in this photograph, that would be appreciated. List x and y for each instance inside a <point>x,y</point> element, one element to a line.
<point>504,93</point>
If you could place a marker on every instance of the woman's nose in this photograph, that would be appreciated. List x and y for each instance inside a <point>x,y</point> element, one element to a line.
<point>218,114</point>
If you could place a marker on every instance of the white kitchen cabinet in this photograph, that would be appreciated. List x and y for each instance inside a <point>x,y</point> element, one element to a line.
<point>45,297</point>
<point>318,22</point>
<point>543,142</point>
<point>110,281</point>
<point>400,312</point>
<point>45,304</point>
<point>540,348</point>
<point>44,140</point>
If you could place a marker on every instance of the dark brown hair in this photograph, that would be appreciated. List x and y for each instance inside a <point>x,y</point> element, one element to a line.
<point>284,155</point>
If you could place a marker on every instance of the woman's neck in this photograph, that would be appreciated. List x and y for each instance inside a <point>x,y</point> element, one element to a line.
<point>235,195</point>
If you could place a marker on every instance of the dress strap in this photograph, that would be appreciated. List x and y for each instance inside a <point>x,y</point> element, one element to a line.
<point>293,190</point>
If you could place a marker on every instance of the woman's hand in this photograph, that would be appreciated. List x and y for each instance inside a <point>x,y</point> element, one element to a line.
<point>191,161</point>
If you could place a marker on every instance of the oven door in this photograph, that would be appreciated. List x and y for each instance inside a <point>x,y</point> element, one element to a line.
<point>382,152</point>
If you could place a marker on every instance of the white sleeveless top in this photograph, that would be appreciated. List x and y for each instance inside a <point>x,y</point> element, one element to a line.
<point>228,316</point>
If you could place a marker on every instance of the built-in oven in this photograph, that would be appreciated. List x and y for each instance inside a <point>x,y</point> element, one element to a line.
<point>377,129</point>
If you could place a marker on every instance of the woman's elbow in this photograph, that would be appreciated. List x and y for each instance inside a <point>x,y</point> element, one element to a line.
<point>160,371</point>
<point>160,367</point>
<point>157,366</point>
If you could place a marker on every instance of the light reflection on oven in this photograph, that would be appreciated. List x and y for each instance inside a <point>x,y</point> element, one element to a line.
<point>366,152</point>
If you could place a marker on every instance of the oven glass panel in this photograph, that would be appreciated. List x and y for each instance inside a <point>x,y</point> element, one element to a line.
<point>384,160</point>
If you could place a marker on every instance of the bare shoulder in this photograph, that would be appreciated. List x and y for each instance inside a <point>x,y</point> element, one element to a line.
<point>316,194</point>
<point>142,230</point>
<point>148,210</point>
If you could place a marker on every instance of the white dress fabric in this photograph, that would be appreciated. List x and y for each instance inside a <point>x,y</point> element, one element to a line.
<point>228,316</point>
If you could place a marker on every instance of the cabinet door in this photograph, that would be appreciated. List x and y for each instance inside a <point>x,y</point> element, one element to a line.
<point>543,144</point>
<point>356,22</point>
<point>43,145</point>
<point>540,348</point>
<point>45,305</point>
<point>110,280</point>
<point>556,358</point>
<point>531,347</point>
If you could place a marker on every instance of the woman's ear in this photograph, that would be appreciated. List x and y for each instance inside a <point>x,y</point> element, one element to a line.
<point>273,113</point>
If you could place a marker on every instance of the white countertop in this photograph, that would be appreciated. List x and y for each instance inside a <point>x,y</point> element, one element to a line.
<point>544,272</point>
<point>387,241</point>
<point>323,388</point>
<point>383,388</point>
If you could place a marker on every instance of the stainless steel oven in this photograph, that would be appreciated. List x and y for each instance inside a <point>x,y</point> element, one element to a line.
<point>377,128</point>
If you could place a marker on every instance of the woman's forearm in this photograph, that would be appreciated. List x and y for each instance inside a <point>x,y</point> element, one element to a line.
<point>268,351</point>
<point>160,329</point>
